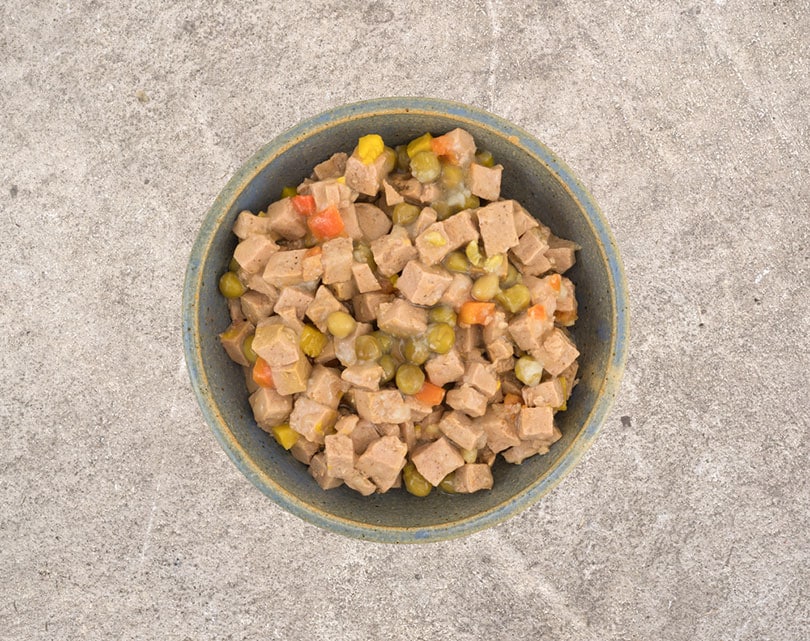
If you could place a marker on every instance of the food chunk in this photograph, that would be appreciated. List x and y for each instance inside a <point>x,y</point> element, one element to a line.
<point>497,224</point>
<point>485,181</point>
<point>364,278</point>
<point>325,386</point>
<point>482,378</point>
<point>462,431</point>
<point>311,419</point>
<point>292,378</point>
<point>381,407</point>
<point>367,306</point>
<point>253,253</point>
<point>460,229</point>
<point>433,244</point>
<point>535,422</point>
<point>365,178</point>
<point>524,221</point>
<point>296,299</point>
<point>400,318</point>
<point>319,471</point>
<point>445,368</point>
<point>323,304</point>
<point>531,246</point>
<point>269,407</point>
<point>393,251</point>
<point>360,431</point>
<point>382,461</point>
<point>363,375</point>
<point>339,453</point>
<point>422,284</point>
<point>337,260</point>
<point>436,460</point>
<point>468,400</point>
<point>285,221</point>
<point>247,224</point>
<point>333,167</point>
<point>472,477</point>
<point>234,337</point>
<point>549,393</point>
<point>284,268</point>
<point>276,343</point>
<point>373,221</point>
<point>458,292</point>
<point>499,425</point>
<point>557,353</point>
<point>561,254</point>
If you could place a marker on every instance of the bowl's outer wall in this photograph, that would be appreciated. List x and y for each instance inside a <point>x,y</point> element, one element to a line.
<point>529,177</point>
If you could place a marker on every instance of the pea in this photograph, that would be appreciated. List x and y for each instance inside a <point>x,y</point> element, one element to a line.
<point>247,349</point>
<point>485,288</point>
<point>472,202</point>
<point>443,314</point>
<point>367,348</point>
<point>442,209</point>
<point>230,286</point>
<point>485,158</point>
<point>287,192</point>
<point>340,324</point>
<point>441,338</point>
<point>416,350</point>
<point>233,266</point>
<point>390,160</point>
<point>457,262</point>
<point>410,378</point>
<point>414,482</point>
<point>511,277</point>
<point>469,456</point>
<point>452,176</point>
<point>403,159</point>
<point>447,484</point>
<point>397,350</point>
<point>389,366</point>
<point>425,167</point>
<point>528,371</point>
<point>362,254</point>
<point>405,213</point>
<point>515,299</point>
<point>384,340</point>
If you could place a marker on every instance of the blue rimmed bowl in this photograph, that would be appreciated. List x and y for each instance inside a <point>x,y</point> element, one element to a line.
<point>535,177</point>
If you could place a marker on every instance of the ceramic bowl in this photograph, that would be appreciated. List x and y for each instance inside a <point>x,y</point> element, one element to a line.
<point>535,177</point>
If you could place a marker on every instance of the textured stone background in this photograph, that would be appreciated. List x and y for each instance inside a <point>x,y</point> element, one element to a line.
<point>122,518</point>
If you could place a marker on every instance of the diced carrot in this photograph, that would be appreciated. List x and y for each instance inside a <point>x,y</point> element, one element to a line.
<point>262,375</point>
<point>511,399</point>
<point>314,251</point>
<point>476,313</point>
<point>326,224</point>
<point>555,282</point>
<point>430,394</point>
<point>304,205</point>
<point>441,147</point>
<point>537,312</point>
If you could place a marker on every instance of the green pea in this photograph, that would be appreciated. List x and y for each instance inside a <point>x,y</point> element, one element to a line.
<point>516,298</point>
<point>389,366</point>
<point>362,254</point>
<point>442,209</point>
<point>247,349</point>
<point>447,484</point>
<point>443,314</point>
<point>472,202</point>
<point>233,266</point>
<point>416,350</point>
<point>414,482</point>
<point>485,288</point>
<point>485,158</point>
<point>384,340</point>
<point>441,338</point>
<point>452,176</point>
<point>410,378</point>
<point>425,167</point>
<point>403,159</point>
<point>457,262</point>
<point>367,348</point>
<point>340,324</point>
<point>230,286</point>
<point>405,213</point>
<point>511,277</point>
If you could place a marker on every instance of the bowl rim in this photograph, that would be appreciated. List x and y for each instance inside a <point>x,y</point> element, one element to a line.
<point>462,113</point>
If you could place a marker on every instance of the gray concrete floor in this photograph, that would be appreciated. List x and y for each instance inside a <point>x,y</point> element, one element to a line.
<point>122,518</point>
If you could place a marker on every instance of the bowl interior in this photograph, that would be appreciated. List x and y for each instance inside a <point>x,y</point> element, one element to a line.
<point>530,176</point>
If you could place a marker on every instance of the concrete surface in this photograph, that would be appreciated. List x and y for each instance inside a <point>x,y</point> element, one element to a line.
<point>122,518</point>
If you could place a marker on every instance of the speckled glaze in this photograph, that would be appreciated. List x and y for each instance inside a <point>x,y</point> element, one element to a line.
<point>534,176</point>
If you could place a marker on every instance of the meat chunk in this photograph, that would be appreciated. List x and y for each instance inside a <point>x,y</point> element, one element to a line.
<point>269,407</point>
<point>400,318</point>
<point>360,431</point>
<point>303,450</point>
<point>331,168</point>
<point>549,393</point>
<point>366,306</point>
<point>233,338</point>
<point>566,304</point>
<point>520,452</point>
<point>524,221</point>
<point>407,433</point>
<point>433,244</point>
<point>461,229</point>
<point>458,145</point>
<point>373,221</point>
<point>543,291</point>
<point>348,214</point>
<point>528,330</point>
<point>557,353</point>
<point>275,342</point>
<point>296,299</point>
<point>285,221</point>
<point>322,305</point>
<point>339,452</point>
<point>462,431</point>
<point>472,477</point>
<point>407,186</point>
<point>535,422</point>
<point>344,290</point>
<point>364,278</point>
<point>325,386</point>
<point>255,306</point>
<point>485,182</point>
<point>254,252</point>
<point>258,284</point>
<point>445,368</point>
<point>499,425</point>
<point>482,378</point>
<point>312,265</point>
<point>392,196</point>
<point>561,254</point>
<point>337,260</point>
<point>330,193</point>
<point>312,420</point>
<point>284,268</point>
<point>365,178</point>
<point>468,400</point>
<point>425,219</point>
<point>382,461</point>
<point>418,409</point>
<point>468,339</point>
<point>422,284</point>
<point>247,224</point>
<point>292,378</point>
<point>499,350</point>
<point>436,460</point>
<point>458,292</point>
<point>531,246</point>
<point>497,226</point>
<point>360,483</point>
<point>363,375</point>
<point>384,406</point>
<point>319,471</point>
<point>496,328</point>
<point>393,251</point>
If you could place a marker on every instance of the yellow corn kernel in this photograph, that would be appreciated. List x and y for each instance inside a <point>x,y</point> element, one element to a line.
<point>312,341</point>
<point>493,263</point>
<point>473,253</point>
<point>341,180</point>
<point>419,144</point>
<point>435,239</point>
<point>369,148</point>
<point>394,280</point>
<point>285,435</point>
<point>287,192</point>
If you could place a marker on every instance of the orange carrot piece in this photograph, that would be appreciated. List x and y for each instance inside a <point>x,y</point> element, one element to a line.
<point>537,312</point>
<point>555,282</point>
<point>441,147</point>
<point>304,205</point>
<point>314,251</point>
<point>262,375</point>
<point>326,224</point>
<point>430,394</point>
<point>476,313</point>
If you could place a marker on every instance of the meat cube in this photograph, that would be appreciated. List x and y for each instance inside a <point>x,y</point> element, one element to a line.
<point>387,429</point>
<point>433,244</point>
<point>330,193</point>
<point>503,365</point>
<point>284,268</point>
<point>532,244</point>
<point>275,342</point>
<point>425,219</point>
<point>312,420</point>
<point>255,306</point>
<point>345,347</point>
<point>311,266</point>
<point>462,431</point>
<point>468,339</point>
<point>535,422</point>
<point>461,229</point>
<point>485,182</point>
<point>566,304</point>
<point>569,375</point>
<point>524,221</point>
<point>361,432</point>
<point>322,305</point>
<point>296,299</point>
<point>500,353</point>
<point>384,406</point>
<point>233,338</point>
<point>337,260</point>
<point>549,393</point>
<point>292,378</point>
<point>320,472</point>
<point>561,254</point>
<point>543,292</point>
<point>393,251</point>
<point>289,318</point>
<point>458,292</point>
<point>407,186</point>
<point>235,310</point>
<point>400,318</point>
<point>468,400</point>
<point>382,461</point>
<point>247,224</point>
<point>436,460</point>
<point>253,253</point>
<point>472,477</point>
<point>269,407</point>
<point>325,386</point>
<point>363,375</point>
<point>344,290</point>
<point>366,306</point>
<point>557,353</point>
<point>523,450</point>
<point>422,284</point>
<point>482,378</point>
<point>418,409</point>
<point>445,368</point>
<point>497,226</point>
<point>373,221</point>
<point>459,146</point>
<point>496,328</point>
<point>348,214</point>
<point>499,425</point>
<point>360,483</point>
<point>392,196</point>
<point>331,168</point>
<point>407,434</point>
<point>285,221</point>
<point>339,451</point>
<point>258,284</point>
<point>365,178</point>
<point>303,450</point>
<point>364,278</point>
<point>528,330</point>
<point>431,192</point>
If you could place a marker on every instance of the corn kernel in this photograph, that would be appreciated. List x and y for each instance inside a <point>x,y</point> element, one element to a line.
<point>285,435</point>
<point>341,180</point>
<point>369,148</point>
<point>493,263</point>
<point>287,192</point>
<point>419,144</point>
<point>473,253</point>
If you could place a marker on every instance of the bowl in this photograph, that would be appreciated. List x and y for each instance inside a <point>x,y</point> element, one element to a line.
<point>535,177</point>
